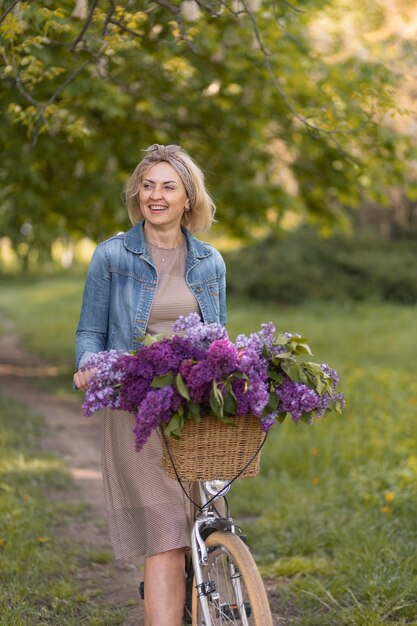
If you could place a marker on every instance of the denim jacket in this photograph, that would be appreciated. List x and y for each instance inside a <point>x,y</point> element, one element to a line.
<point>120,286</point>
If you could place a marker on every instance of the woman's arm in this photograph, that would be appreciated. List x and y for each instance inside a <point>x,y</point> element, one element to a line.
<point>92,330</point>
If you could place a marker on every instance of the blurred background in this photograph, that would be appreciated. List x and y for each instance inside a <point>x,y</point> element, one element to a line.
<point>302,115</point>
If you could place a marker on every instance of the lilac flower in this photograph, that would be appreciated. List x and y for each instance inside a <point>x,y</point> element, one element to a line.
<point>222,358</point>
<point>330,372</point>
<point>262,341</point>
<point>296,398</point>
<point>154,409</point>
<point>168,375</point>
<point>268,421</point>
<point>252,364</point>
<point>103,389</point>
<point>327,403</point>
<point>252,395</point>
<point>198,380</point>
<point>193,328</point>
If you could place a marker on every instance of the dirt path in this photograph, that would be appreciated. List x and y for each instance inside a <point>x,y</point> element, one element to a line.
<point>76,439</point>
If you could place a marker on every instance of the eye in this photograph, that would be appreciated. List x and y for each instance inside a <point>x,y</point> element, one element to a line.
<point>147,186</point>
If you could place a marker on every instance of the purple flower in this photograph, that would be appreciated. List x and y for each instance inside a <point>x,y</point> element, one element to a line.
<point>193,328</point>
<point>257,341</point>
<point>201,365</point>
<point>103,390</point>
<point>330,372</point>
<point>296,398</point>
<point>154,409</point>
<point>222,358</point>
<point>268,421</point>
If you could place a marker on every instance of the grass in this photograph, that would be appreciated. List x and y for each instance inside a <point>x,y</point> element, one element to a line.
<point>45,578</point>
<point>335,503</point>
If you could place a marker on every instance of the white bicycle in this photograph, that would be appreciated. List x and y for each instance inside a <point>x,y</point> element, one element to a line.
<point>223,584</point>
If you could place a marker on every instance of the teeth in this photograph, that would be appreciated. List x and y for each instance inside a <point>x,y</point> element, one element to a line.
<point>157,207</point>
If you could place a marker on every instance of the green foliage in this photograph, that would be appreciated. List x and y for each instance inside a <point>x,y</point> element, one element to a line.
<point>39,569</point>
<point>250,96</point>
<point>301,266</point>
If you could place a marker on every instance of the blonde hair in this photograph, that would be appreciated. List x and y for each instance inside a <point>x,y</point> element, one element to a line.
<point>200,215</point>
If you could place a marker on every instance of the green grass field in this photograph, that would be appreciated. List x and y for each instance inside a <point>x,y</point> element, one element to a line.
<point>44,577</point>
<point>332,517</point>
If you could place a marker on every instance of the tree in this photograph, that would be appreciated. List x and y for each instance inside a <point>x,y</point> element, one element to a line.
<point>246,87</point>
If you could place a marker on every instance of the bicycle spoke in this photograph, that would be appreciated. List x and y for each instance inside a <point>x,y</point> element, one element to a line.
<point>229,603</point>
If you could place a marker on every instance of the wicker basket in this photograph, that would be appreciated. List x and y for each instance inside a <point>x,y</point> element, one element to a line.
<point>209,449</point>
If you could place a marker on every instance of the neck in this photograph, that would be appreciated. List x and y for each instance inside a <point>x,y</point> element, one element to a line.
<point>165,238</point>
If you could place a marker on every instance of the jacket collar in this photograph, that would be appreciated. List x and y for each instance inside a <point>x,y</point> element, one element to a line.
<point>134,241</point>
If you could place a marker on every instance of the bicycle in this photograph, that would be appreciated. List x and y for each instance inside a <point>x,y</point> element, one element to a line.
<point>223,584</point>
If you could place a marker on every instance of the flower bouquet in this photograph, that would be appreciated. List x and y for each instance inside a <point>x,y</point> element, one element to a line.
<point>198,375</point>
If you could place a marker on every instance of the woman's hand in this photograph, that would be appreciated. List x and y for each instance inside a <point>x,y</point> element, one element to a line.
<point>82,379</point>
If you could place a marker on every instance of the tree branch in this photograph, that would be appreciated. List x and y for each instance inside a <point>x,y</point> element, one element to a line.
<point>109,16</point>
<point>176,13</point>
<point>123,27</point>
<point>315,129</point>
<point>7,11</point>
<point>291,6</point>
<point>54,96</point>
<point>86,25</point>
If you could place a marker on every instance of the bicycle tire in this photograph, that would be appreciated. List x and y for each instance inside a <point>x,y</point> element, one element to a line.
<point>227,554</point>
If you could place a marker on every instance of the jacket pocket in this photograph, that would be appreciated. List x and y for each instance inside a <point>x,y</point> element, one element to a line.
<point>213,294</point>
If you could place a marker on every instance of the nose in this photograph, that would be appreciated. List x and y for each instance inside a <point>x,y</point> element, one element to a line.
<point>156,192</point>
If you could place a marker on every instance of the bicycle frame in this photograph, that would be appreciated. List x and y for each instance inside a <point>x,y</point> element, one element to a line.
<point>208,521</point>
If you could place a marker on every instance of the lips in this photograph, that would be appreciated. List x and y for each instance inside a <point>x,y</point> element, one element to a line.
<point>157,207</point>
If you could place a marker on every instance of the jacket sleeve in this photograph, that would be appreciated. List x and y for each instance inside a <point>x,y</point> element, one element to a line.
<point>222,291</point>
<point>92,330</point>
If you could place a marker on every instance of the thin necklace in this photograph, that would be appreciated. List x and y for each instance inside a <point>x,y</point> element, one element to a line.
<point>166,250</point>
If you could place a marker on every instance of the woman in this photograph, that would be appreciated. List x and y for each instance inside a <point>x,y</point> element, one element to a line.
<point>139,283</point>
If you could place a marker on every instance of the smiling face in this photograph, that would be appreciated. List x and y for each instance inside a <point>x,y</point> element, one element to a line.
<point>162,196</point>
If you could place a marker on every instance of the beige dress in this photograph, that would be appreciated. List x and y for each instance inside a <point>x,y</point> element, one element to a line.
<point>147,512</point>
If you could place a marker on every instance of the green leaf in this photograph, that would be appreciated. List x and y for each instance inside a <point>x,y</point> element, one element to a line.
<point>240,375</point>
<point>182,387</point>
<point>216,400</point>
<point>271,404</point>
<point>275,375</point>
<point>230,403</point>
<point>292,371</point>
<point>164,380</point>
<point>281,356</point>
<point>194,411</point>
<point>175,426</point>
<point>301,346</point>
<point>150,339</point>
<point>320,386</point>
<point>225,419</point>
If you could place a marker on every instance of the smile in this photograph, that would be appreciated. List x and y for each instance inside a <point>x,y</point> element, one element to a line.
<point>157,207</point>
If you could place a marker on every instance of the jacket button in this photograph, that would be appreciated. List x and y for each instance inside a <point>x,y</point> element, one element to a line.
<point>198,289</point>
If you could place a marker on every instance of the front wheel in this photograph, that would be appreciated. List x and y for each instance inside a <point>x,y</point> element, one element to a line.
<point>235,592</point>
